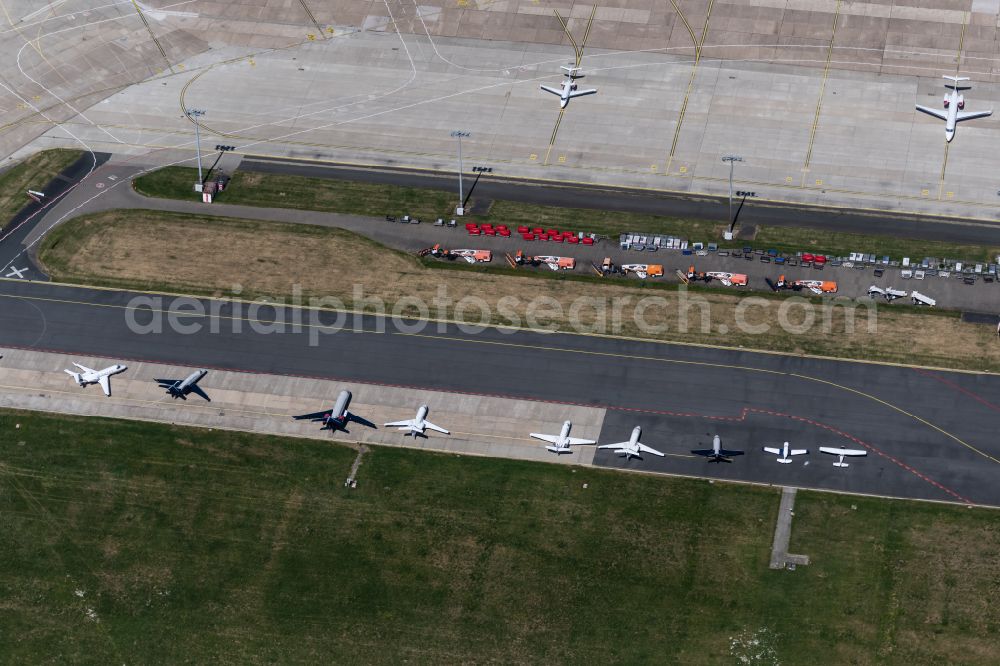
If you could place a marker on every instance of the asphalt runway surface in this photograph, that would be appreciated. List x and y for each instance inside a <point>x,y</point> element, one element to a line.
<point>631,200</point>
<point>929,434</point>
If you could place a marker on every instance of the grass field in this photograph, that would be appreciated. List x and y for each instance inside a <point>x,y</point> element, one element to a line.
<point>130,542</point>
<point>378,200</point>
<point>144,249</point>
<point>33,173</point>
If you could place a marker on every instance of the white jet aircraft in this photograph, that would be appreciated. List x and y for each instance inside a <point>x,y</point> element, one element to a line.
<point>562,442</point>
<point>784,452</point>
<point>179,388</point>
<point>841,452</point>
<point>91,376</point>
<point>953,105</point>
<point>568,89</point>
<point>633,447</point>
<point>416,425</point>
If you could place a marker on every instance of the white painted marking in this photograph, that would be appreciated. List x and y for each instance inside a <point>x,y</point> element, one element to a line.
<point>16,272</point>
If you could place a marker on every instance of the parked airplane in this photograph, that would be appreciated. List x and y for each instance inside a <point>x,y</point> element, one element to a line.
<point>562,442</point>
<point>784,452</point>
<point>633,447</point>
<point>568,89</point>
<point>179,388</point>
<point>841,452</point>
<point>953,104</point>
<point>416,426</point>
<point>91,376</point>
<point>717,453</point>
<point>338,417</point>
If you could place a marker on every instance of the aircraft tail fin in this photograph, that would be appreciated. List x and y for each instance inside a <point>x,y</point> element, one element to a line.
<point>955,82</point>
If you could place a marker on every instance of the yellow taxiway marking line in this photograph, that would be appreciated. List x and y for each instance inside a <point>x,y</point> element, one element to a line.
<point>958,67</point>
<point>822,92</point>
<point>698,44</point>
<point>152,35</point>
<point>901,411</point>
<point>578,50</point>
<point>312,18</point>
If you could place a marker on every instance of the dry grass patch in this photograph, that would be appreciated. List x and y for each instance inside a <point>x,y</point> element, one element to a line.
<point>215,256</point>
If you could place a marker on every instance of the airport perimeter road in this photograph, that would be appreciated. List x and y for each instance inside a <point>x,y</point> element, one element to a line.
<point>651,202</point>
<point>929,434</point>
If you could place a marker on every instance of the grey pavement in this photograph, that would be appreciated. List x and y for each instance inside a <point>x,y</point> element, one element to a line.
<point>930,435</point>
<point>780,557</point>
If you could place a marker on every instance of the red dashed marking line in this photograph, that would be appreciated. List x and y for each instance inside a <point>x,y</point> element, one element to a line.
<point>960,389</point>
<point>733,419</point>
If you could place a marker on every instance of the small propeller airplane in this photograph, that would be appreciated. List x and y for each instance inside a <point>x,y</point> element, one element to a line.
<point>784,452</point>
<point>91,376</point>
<point>717,453</point>
<point>568,88</point>
<point>338,417</point>
<point>953,105</point>
<point>633,448</point>
<point>179,388</point>
<point>841,453</point>
<point>416,426</point>
<point>562,442</point>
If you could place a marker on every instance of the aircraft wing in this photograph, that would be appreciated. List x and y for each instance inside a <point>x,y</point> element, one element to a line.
<point>798,452</point>
<point>318,416</point>
<point>167,383</point>
<point>646,449</point>
<point>362,421</point>
<point>771,449</point>
<point>840,451</point>
<point>551,439</point>
<point>730,454</point>
<point>932,112</point>
<point>428,424</point>
<point>619,445</point>
<point>84,368</point>
<point>105,383</point>
<point>400,424</point>
<point>704,452</point>
<point>554,91</point>
<point>576,441</point>
<point>969,115</point>
<point>194,388</point>
<point>581,93</point>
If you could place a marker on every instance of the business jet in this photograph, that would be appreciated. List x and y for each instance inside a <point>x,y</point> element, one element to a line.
<point>416,426</point>
<point>784,452</point>
<point>179,388</point>
<point>338,417</point>
<point>568,88</point>
<point>633,448</point>
<point>953,105</point>
<point>841,452</point>
<point>91,376</point>
<point>562,442</point>
<point>717,453</point>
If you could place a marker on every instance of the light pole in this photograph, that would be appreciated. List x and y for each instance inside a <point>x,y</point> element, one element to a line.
<point>193,115</point>
<point>732,159</point>
<point>461,195</point>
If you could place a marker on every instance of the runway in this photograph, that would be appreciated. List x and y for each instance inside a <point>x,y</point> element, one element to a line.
<point>930,435</point>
